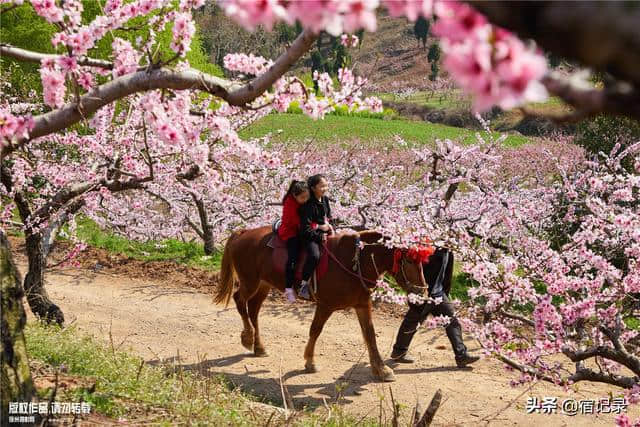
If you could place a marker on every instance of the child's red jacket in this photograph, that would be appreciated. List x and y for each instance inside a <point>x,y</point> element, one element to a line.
<point>290,225</point>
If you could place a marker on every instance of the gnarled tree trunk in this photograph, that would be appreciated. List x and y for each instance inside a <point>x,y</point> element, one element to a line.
<point>17,385</point>
<point>37,296</point>
<point>207,229</point>
<point>39,301</point>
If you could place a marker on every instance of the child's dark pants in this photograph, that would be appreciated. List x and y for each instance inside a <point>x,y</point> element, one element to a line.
<point>293,253</point>
<point>313,257</point>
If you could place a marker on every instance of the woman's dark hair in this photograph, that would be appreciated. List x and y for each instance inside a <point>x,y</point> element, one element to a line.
<point>314,180</point>
<point>295,188</point>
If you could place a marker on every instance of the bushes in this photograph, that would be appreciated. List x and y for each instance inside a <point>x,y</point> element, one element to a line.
<point>602,133</point>
<point>386,114</point>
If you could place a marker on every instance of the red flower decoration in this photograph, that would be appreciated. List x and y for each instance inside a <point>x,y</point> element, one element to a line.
<point>420,254</point>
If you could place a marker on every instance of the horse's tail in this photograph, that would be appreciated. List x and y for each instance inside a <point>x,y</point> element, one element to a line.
<point>227,274</point>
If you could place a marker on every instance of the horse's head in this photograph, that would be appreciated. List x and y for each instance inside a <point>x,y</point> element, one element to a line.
<point>405,264</point>
<point>407,270</point>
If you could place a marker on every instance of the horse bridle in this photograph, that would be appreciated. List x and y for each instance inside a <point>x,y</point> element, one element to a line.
<point>357,267</point>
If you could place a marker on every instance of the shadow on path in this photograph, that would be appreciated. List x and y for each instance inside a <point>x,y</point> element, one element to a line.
<point>351,383</point>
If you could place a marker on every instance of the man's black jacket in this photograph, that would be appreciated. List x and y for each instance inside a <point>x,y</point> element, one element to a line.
<point>432,269</point>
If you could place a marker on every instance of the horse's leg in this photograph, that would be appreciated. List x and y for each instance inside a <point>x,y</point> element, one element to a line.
<point>254,305</point>
<point>378,367</point>
<point>320,317</point>
<point>245,290</point>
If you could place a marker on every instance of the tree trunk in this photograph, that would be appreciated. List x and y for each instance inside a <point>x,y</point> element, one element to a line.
<point>17,385</point>
<point>207,229</point>
<point>209,244</point>
<point>37,297</point>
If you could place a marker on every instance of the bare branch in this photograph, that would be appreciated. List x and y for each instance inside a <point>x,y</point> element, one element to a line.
<point>68,193</point>
<point>190,174</point>
<point>624,357</point>
<point>263,82</point>
<point>582,374</point>
<point>517,317</point>
<point>622,99</point>
<point>50,233</point>
<point>194,227</point>
<point>430,413</point>
<point>586,374</point>
<point>447,197</point>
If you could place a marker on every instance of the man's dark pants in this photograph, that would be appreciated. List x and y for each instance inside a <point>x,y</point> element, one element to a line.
<point>417,314</point>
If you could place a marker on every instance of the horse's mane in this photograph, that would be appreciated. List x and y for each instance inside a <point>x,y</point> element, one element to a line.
<point>370,236</point>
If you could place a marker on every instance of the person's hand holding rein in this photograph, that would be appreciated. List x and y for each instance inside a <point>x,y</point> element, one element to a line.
<point>324,227</point>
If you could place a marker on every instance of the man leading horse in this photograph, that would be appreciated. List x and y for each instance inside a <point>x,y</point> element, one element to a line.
<point>356,262</point>
<point>437,273</point>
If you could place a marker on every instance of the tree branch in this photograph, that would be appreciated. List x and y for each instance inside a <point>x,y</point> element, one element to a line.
<point>51,232</point>
<point>586,374</point>
<point>624,357</point>
<point>31,56</point>
<point>621,100</point>
<point>161,78</point>
<point>194,227</point>
<point>579,375</point>
<point>601,35</point>
<point>264,81</point>
<point>68,193</point>
<point>451,189</point>
<point>517,317</point>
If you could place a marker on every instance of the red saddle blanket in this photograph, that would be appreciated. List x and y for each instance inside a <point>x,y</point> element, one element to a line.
<point>279,257</point>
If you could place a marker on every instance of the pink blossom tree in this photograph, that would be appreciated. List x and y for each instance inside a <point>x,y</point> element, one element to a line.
<point>171,147</point>
<point>554,261</point>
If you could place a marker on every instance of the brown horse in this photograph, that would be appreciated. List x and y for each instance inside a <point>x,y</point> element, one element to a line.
<point>248,258</point>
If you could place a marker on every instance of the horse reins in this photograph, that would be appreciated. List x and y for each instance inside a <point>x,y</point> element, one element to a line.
<point>357,267</point>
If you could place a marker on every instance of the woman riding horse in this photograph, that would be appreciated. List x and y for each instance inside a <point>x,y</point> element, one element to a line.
<point>357,261</point>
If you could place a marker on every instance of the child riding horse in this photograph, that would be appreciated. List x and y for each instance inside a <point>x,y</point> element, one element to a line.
<point>248,258</point>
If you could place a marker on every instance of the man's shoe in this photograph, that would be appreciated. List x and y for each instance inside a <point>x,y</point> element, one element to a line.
<point>465,360</point>
<point>402,358</point>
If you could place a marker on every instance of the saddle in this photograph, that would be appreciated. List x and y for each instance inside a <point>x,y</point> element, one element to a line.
<point>279,257</point>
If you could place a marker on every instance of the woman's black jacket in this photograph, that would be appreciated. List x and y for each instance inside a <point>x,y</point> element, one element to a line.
<point>314,212</point>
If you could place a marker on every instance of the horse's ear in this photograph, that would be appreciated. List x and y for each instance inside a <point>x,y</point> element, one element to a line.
<point>370,236</point>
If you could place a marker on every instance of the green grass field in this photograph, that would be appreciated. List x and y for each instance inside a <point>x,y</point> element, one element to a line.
<point>445,99</point>
<point>457,99</point>
<point>189,253</point>
<point>294,128</point>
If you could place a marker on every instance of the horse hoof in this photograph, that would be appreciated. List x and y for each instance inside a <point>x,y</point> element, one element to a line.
<point>386,375</point>
<point>310,368</point>
<point>260,352</point>
<point>247,340</point>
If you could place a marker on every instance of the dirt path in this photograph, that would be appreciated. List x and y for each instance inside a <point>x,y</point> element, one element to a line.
<point>158,321</point>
